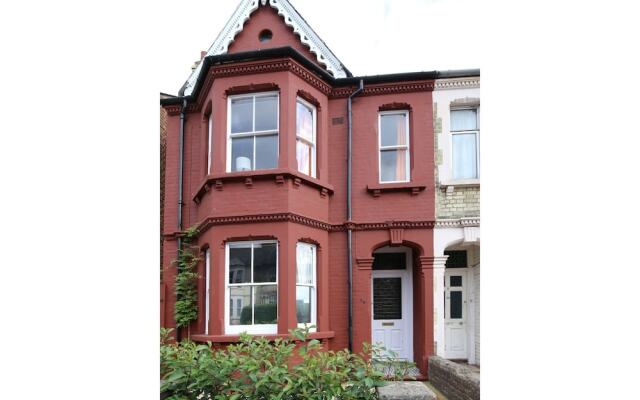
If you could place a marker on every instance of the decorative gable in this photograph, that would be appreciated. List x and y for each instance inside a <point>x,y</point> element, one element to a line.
<point>291,18</point>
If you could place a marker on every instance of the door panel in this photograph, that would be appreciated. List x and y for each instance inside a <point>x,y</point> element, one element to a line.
<point>455,314</point>
<point>391,325</point>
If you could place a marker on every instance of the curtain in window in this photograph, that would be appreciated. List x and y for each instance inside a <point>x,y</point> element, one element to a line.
<point>463,120</point>
<point>401,159</point>
<point>304,262</point>
<point>464,156</point>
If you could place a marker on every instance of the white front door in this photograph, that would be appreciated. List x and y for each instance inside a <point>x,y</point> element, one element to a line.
<point>455,304</point>
<point>392,323</point>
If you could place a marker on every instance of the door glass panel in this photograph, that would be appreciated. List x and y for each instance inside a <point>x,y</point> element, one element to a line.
<point>387,298</point>
<point>389,261</point>
<point>455,281</point>
<point>455,304</point>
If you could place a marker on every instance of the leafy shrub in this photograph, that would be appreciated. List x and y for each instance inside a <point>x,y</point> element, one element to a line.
<point>256,368</point>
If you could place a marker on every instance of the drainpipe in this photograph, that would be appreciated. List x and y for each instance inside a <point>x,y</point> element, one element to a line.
<point>180,173</point>
<point>349,233</point>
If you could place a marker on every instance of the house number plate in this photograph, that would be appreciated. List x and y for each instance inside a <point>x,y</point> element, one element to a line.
<point>387,324</point>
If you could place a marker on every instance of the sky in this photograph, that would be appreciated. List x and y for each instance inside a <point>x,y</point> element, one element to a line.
<point>370,37</point>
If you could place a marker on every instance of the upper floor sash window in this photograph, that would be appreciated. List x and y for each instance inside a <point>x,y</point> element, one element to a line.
<point>393,142</point>
<point>306,138</point>
<point>465,129</point>
<point>252,127</point>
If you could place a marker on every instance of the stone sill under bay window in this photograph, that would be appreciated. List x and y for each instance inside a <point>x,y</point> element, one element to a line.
<point>412,187</point>
<point>279,175</point>
<point>236,338</point>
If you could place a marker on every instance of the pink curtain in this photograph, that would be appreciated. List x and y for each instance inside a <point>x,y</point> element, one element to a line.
<point>401,159</point>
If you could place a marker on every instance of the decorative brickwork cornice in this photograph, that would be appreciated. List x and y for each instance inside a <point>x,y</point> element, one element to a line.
<point>457,223</point>
<point>386,88</point>
<point>252,88</point>
<point>302,220</point>
<point>458,83</point>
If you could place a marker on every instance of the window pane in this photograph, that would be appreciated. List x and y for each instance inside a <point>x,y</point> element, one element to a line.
<point>464,156</point>
<point>303,155</point>
<point>304,296</point>
<point>455,304</point>
<point>242,115</point>
<point>304,122</point>
<point>455,281</point>
<point>242,314</point>
<point>267,113</point>
<point>304,264</point>
<point>242,154</point>
<point>266,152</point>
<point>266,304</point>
<point>239,263</point>
<point>264,262</point>
<point>393,130</point>
<point>393,165</point>
<point>464,120</point>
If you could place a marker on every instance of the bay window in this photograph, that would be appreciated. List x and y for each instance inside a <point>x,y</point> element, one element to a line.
<point>207,291</point>
<point>252,287</point>
<point>252,132</point>
<point>306,138</point>
<point>464,139</point>
<point>209,139</point>
<point>393,142</point>
<point>306,300</point>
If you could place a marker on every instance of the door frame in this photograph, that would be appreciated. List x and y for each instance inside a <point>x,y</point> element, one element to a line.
<point>407,295</point>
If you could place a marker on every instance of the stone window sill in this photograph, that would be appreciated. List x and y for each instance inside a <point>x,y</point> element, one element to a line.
<point>236,338</point>
<point>461,183</point>
<point>412,187</point>
<point>279,175</point>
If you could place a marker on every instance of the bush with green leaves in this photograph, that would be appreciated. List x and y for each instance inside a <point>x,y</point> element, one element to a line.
<point>259,369</point>
<point>186,286</point>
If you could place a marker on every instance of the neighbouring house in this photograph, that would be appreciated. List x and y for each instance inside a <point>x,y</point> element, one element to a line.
<point>312,191</point>
<point>456,236</point>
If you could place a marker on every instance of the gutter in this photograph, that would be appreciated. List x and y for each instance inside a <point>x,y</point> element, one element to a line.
<point>280,52</point>
<point>349,232</point>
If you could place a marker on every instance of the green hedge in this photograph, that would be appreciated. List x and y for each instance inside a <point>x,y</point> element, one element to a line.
<point>259,369</point>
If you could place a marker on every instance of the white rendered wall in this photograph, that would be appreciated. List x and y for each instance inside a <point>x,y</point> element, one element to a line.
<point>442,100</point>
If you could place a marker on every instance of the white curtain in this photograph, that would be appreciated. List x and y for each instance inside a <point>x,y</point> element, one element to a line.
<point>304,262</point>
<point>464,120</point>
<point>464,156</point>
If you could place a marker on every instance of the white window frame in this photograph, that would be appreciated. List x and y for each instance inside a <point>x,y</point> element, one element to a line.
<point>251,329</point>
<point>207,292</point>
<point>397,147</point>
<point>209,139</point>
<point>314,285</point>
<point>314,137</point>
<point>452,133</point>
<point>253,133</point>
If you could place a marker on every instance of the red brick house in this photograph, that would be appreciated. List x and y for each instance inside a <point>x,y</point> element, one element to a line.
<point>312,190</point>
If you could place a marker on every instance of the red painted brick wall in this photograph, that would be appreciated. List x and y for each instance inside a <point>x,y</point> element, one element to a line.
<point>265,196</point>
